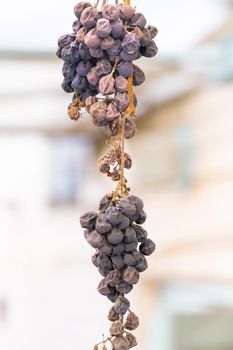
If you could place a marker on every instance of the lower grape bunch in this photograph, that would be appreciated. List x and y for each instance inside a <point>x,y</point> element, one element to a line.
<point>121,245</point>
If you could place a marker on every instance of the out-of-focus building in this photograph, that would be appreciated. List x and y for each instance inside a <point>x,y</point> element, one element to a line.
<point>182,169</point>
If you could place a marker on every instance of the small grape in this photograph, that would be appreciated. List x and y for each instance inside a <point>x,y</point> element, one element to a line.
<point>102,224</point>
<point>125,69</point>
<point>130,128</point>
<point>92,77</point>
<point>118,262</point>
<point>138,76</point>
<point>98,113</point>
<point>79,83</point>
<point>96,53</point>
<point>132,321</point>
<point>115,237</point>
<point>138,20</point>
<point>114,216</point>
<point>131,275</point>
<point>122,101</point>
<point>104,262</point>
<point>130,235</point>
<point>126,11</point>
<point>153,31</point>
<point>66,85</point>
<point>129,259</point>
<point>130,43</point>
<point>110,12</point>
<point>150,50</point>
<point>118,249</point>
<point>113,315</point>
<point>89,17</point>
<point>103,287</point>
<point>140,232</point>
<point>88,220</point>
<point>127,208</point>
<point>115,49</point>
<point>70,53</point>
<point>136,201</point>
<point>112,112</point>
<point>84,52</point>
<point>107,43</point>
<point>130,247</point>
<point>142,264</point>
<point>68,70</point>
<point>120,343</point>
<point>76,25</point>
<point>95,239</point>
<point>147,247</point>
<point>113,278</point>
<point>146,38</point>
<point>92,40</point>
<point>113,296</point>
<point>125,223</point>
<point>78,9</point>
<point>132,341</point>
<point>116,328</point>
<point>106,85</point>
<point>65,40</point>
<point>122,305</point>
<point>103,28</point>
<point>142,218</point>
<point>105,202</point>
<point>124,288</point>
<point>129,57</point>
<point>117,29</point>
<point>103,67</point>
<point>94,259</point>
<point>81,34</point>
<point>121,84</point>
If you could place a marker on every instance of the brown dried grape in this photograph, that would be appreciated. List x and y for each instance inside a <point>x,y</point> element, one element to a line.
<point>107,43</point>
<point>113,315</point>
<point>121,84</point>
<point>115,236</point>
<point>131,340</point>
<point>73,112</point>
<point>89,102</point>
<point>130,128</point>
<point>116,328</point>
<point>126,11</point>
<point>110,12</point>
<point>112,112</point>
<point>92,40</point>
<point>112,128</point>
<point>95,239</point>
<point>122,305</point>
<point>152,30</point>
<point>138,76</point>
<point>106,85</point>
<point>131,275</point>
<point>127,161</point>
<point>132,321</point>
<point>122,101</point>
<point>103,287</point>
<point>102,224</point>
<point>92,77</point>
<point>89,17</point>
<point>120,343</point>
<point>80,34</point>
<point>88,219</point>
<point>98,112</point>
<point>103,28</point>
<point>78,9</point>
<point>147,247</point>
<point>106,249</point>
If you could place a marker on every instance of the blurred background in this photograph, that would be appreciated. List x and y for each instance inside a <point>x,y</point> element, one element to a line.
<point>183,169</point>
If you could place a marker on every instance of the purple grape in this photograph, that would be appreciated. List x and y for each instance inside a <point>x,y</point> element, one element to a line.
<point>66,86</point>
<point>122,101</point>
<point>117,29</point>
<point>129,57</point>
<point>105,202</point>
<point>96,53</point>
<point>68,70</point>
<point>124,288</point>
<point>94,259</point>
<point>118,262</point>
<point>147,247</point>
<point>146,38</point>
<point>114,216</point>
<point>122,305</point>
<point>110,12</point>
<point>65,40</point>
<point>142,264</point>
<point>127,208</point>
<point>138,20</point>
<point>141,233</point>
<point>136,201</point>
<point>107,43</point>
<point>115,236</point>
<point>102,224</point>
<point>130,43</point>
<point>131,247</point>
<point>138,76</point>
<point>103,287</point>
<point>106,249</point>
<point>153,31</point>
<point>103,67</point>
<point>118,249</point>
<point>125,223</point>
<point>131,275</point>
<point>76,25</point>
<point>121,84</point>
<point>95,239</point>
<point>84,52</point>
<point>113,296</point>
<point>92,77</point>
<point>83,68</point>
<point>130,235</point>
<point>115,49</point>
<point>103,28</point>
<point>106,85</point>
<point>70,53</point>
<point>88,220</point>
<point>79,83</point>
<point>126,11</point>
<point>78,9</point>
<point>92,40</point>
<point>113,278</point>
<point>150,50</point>
<point>142,218</point>
<point>125,69</point>
<point>89,17</point>
<point>104,262</point>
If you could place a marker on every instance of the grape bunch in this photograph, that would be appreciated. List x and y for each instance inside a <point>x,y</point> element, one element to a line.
<point>122,245</point>
<point>98,60</point>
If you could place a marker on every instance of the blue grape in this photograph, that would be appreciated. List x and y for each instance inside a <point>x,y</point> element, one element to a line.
<point>83,68</point>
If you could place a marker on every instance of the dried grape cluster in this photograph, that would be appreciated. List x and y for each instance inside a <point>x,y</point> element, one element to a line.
<point>98,59</point>
<point>121,245</point>
<point>99,70</point>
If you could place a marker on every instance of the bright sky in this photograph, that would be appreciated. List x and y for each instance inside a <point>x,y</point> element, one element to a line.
<point>28,25</point>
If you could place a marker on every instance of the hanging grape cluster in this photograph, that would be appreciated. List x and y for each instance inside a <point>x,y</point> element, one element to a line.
<point>99,70</point>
